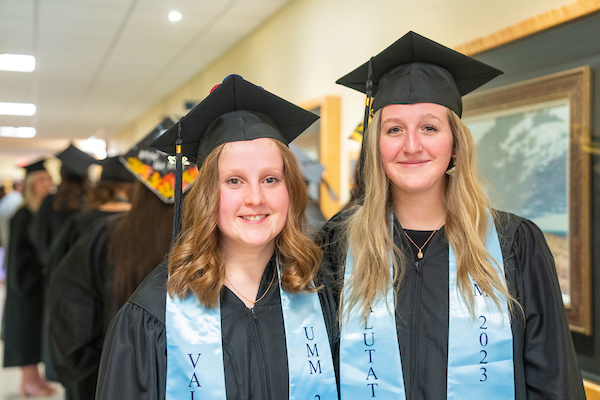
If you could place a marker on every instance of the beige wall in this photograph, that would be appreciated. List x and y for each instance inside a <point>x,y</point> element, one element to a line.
<point>300,52</point>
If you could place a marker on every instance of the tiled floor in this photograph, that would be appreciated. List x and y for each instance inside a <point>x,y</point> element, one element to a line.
<point>10,378</point>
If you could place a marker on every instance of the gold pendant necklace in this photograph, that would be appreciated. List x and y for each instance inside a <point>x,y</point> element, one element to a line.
<point>420,253</point>
<point>245,298</point>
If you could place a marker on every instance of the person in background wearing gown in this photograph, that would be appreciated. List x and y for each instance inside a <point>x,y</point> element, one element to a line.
<point>2,242</point>
<point>234,313</point>
<point>9,204</point>
<point>108,196</point>
<point>56,208</point>
<point>22,317</point>
<point>68,199</point>
<point>96,277</point>
<point>478,310</point>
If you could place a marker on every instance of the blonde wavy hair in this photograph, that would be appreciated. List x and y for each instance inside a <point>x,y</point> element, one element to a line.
<point>32,200</point>
<point>196,261</point>
<point>467,210</point>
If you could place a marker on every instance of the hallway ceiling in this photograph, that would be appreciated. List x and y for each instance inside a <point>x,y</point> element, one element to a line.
<point>100,64</point>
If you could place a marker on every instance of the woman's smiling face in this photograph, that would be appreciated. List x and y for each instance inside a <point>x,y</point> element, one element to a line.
<point>416,146</point>
<point>254,199</point>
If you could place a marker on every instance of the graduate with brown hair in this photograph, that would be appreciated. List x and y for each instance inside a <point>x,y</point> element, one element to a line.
<point>239,304</point>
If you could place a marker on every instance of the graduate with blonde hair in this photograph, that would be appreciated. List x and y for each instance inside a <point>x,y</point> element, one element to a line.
<point>441,296</point>
<point>24,305</point>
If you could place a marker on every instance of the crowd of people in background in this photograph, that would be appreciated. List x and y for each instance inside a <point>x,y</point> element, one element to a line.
<point>48,236</point>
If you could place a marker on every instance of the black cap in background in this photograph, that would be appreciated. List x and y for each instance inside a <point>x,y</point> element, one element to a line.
<point>113,170</point>
<point>415,69</point>
<point>36,166</point>
<point>76,161</point>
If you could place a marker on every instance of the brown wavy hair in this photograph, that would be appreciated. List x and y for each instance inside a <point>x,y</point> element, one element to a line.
<point>140,240</point>
<point>70,193</point>
<point>196,261</point>
<point>105,191</point>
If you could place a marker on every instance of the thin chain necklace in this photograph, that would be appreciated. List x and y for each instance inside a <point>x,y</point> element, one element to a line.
<point>420,253</point>
<point>247,299</point>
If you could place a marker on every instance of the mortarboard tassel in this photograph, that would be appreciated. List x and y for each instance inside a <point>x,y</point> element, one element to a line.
<point>178,186</point>
<point>369,90</point>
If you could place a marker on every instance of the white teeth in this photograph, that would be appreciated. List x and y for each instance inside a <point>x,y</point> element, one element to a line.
<point>254,217</point>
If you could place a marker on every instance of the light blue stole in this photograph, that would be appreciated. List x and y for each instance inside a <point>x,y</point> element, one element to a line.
<point>195,352</point>
<point>480,351</point>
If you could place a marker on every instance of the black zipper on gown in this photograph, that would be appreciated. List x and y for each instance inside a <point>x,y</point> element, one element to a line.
<point>415,328</point>
<point>267,394</point>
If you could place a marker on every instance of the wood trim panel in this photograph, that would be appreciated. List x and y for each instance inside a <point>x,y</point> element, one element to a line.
<point>329,154</point>
<point>530,26</point>
<point>592,390</point>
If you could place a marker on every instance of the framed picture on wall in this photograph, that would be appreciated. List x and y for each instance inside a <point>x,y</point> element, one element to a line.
<point>531,139</point>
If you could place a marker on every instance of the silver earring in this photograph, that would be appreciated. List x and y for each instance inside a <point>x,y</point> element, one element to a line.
<point>450,171</point>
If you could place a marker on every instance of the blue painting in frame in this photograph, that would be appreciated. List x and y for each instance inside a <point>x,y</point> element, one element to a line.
<point>531,142</point>
<point>523,154</point>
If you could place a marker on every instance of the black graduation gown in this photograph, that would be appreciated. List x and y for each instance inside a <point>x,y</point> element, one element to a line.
<point>46,225</point>
<point>23,308</point>
<point>42,231</point>
<point>70,231</point>
<point>133,364</point>
<point>81,304</point>
<point>545,363</point>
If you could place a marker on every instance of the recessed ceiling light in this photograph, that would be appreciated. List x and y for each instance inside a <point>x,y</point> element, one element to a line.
<point>17,62</point>
<point>175,16</point>
<point>93,145</point>
<point>26,109</point>
<point>17,132</point>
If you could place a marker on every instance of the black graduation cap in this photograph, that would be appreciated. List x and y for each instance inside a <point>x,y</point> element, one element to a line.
<point>36,166</point>
<point>76,161</point>
<point>415,69</point>
<point>235,110</point>
<point>113,170</point>
<point>156,169</point>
